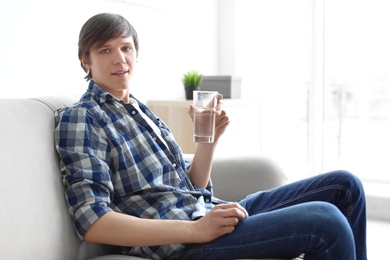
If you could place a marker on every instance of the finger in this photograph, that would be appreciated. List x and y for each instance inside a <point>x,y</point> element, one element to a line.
<point>226,230</point>
<point>241,208</point>
<point>215,101</point>
<point>234,205</point>
<point>219,102</point>
<point>233,221</point>
<point>246,214</point>
<point>222,118</point>
<point>221,114</point>
<point>230,215</point>
<point>222,123</point>
<point>191,111</point>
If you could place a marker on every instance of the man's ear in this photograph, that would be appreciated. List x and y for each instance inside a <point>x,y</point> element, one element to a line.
<point>86,64</point>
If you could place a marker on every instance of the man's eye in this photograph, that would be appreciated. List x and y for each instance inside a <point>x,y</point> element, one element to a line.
<point>104,51</point>
<point>127,48</point>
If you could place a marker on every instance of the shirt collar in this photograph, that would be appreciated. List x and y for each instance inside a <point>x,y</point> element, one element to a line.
<point>102,95</point>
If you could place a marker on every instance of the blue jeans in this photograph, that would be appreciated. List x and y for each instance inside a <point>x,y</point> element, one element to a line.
<point>323,217</point>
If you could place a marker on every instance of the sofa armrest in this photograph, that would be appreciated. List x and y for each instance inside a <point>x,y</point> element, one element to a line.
<point>235,177</point>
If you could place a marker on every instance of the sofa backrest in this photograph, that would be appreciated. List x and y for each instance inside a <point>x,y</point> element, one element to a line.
<point>34,222</point>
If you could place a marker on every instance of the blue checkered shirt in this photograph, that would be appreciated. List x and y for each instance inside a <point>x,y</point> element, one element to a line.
<point>113,160</point>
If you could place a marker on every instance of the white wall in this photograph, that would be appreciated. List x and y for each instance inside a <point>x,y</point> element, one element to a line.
<point>39,44</point>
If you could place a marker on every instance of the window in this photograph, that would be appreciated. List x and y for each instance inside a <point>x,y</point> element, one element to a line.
<point>275,55</point>
<point>357,87</point>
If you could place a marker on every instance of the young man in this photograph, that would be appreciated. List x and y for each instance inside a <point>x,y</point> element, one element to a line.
<point>128,184</point>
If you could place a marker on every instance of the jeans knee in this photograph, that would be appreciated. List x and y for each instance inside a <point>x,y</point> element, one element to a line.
<point>320,210</point>
<point>348,178</point>
<point>329,220</point>
<point>328,230</point>
<point>350,181</point>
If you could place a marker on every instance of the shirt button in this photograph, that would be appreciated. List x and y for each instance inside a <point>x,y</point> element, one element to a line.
<point>133,112</point>
<point>154,138</point>
<point>207,200</point>
<point>174,164</point>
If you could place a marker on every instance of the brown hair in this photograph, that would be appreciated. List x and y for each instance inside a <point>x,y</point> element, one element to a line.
<point>101,28</point>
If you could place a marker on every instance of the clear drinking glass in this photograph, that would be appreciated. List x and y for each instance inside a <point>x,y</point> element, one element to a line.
<point>205,103</point>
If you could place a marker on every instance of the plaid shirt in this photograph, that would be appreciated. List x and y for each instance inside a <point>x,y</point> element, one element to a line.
<point>112,159</point>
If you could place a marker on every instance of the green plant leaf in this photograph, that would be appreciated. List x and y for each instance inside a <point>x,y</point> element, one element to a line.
<point>192,79</point>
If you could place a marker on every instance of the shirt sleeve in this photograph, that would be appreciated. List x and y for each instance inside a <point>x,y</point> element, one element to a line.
<point>84,162</point>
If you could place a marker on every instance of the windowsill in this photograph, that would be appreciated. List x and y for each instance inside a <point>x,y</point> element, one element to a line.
<point>378,200</point>
<point>377,189</point>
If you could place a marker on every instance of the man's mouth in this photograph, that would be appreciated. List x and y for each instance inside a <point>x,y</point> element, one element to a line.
<point>120,72</point>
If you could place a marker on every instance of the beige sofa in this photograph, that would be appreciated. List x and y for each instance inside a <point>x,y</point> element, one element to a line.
<point>34,222</point>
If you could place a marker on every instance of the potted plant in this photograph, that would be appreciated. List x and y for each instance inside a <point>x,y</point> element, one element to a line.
<point>191,81</point>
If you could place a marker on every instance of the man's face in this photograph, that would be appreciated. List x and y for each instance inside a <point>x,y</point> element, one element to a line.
<point>112,65</point>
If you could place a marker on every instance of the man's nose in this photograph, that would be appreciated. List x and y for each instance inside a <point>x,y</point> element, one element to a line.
<point>120,58</point>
